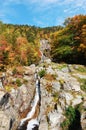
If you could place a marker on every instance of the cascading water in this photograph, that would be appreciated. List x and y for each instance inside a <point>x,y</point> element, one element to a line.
<point>44,49</point>
<point>31,121</point>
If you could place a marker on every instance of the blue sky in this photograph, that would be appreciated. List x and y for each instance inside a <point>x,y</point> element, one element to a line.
<point>40,13</point>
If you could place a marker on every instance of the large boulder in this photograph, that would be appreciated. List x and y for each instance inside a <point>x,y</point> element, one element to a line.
<point>77,100</point>
<point>29,70</point>
<point>55,119</point>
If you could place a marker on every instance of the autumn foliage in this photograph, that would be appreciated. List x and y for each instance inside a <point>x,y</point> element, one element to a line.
<point>69,44</point>
<point>20,44</point>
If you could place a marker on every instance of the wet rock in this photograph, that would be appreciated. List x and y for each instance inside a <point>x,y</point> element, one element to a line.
<point>1,94</point>
<point>4,100</point>
<point>33,124</point>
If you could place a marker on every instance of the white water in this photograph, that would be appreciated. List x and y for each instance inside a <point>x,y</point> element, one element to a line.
<point>31,124</point>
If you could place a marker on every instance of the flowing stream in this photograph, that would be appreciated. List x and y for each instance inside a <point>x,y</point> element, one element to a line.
<point>30,122</point>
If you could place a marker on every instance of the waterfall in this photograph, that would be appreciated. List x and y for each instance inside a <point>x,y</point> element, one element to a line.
<point>30,122</point>
<point>44,49</point>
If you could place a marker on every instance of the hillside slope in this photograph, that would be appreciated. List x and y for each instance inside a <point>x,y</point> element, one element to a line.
<point>63,96</point>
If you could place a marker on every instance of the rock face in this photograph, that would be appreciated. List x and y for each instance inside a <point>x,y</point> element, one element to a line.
<point>60,89</point>
<point>15,104</point>
<point>83,120</point>
<point>44,49</point>
<point>62,86</point>
<point>5,122</point>
<point>55,120</point>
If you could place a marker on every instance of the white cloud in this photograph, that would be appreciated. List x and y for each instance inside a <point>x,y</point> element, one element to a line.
<point>75,3</point>
<point>7,2</point>
<point>66,10</point>
<point>27,2</point>
<point>43,4</point>
<point>74,6</point>
<point>44,1</point>
<point>70,7</point>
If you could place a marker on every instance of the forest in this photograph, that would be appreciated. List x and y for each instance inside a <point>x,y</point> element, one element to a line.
<point>20,44</point>
<point>69,44</point>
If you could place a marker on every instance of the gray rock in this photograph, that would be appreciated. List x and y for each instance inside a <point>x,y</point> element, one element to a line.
<point>65,69</point>
<point>59,109</point>
<point>80,76</point>
<point>77,100</point>
<point>55,119</point>
<point>48,61</point>
<point>4,121</point>
<point>2,94</point>
<point>84,105</point>
<point>43,123</point>
<point>56,85</point>
<point>28,70</point>
<point>1,85</point>
<point>27,78</point>
<point>68,97</point>
<point>83,120</point>
<point>50,70</point>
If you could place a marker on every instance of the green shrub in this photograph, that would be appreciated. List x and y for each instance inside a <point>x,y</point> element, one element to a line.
<point>73,119</point>
<point>25,81</point>
<point>70,117</point>
<point>65,124</point>
<point>83,84</point>
<point>70,113</point>
<point>14,71</point>
<point>55,96</point>
<point>61,66</point>
<point>81,69</point>
<point>18,82</point>
<point>42,73</point>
